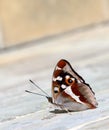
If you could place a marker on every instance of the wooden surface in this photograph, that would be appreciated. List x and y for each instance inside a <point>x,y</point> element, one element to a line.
<point>88,52</point>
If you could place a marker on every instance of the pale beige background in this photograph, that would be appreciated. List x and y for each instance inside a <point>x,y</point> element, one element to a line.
<point>25,20</point>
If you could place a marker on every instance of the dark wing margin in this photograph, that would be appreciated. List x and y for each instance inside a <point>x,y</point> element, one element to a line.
<point>69,68</point>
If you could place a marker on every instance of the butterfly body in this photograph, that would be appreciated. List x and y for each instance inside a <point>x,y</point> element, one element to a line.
<point>69,90</point>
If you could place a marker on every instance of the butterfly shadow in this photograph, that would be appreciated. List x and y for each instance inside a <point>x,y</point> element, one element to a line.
<point>57,111</point>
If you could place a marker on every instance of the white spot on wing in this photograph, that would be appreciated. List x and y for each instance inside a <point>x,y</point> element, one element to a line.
<point>67,76</point>
<point>56,89</point>
<point>58,68</point>
<point>54,79</point>
<point>59,78</point>
<point>63,86</point>
<point>69,92</point>
<point>79,81</point>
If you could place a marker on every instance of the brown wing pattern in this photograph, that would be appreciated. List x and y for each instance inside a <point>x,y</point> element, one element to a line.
<point>87,95</point>
<point>80,90</point>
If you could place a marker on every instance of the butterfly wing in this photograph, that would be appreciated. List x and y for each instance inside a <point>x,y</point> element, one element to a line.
<point>69,88</point>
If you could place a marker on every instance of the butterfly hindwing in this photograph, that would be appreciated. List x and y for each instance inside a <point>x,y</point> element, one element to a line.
<point>69,88</point>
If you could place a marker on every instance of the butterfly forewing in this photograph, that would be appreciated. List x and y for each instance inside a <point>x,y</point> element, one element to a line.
<point>69,88</point>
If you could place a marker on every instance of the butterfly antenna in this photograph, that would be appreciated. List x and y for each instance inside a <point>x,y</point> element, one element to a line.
<point>35,93</point>
<point>38,87</point>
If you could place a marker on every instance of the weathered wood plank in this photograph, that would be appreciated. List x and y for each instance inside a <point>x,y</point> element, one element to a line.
<point>88,54</point>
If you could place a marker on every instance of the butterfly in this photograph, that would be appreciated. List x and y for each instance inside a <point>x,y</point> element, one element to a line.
<point>69,90</point>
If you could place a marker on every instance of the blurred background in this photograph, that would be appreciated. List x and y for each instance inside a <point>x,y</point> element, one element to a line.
<point>35,34</point>
<point>22,21</point>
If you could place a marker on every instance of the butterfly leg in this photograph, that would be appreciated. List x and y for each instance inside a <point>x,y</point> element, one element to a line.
<point>65,109</point>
